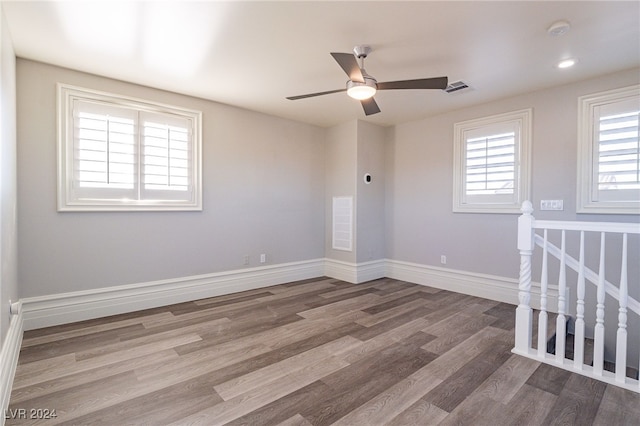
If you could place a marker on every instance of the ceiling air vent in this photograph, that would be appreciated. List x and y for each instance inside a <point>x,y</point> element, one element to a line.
<point>456,86</point>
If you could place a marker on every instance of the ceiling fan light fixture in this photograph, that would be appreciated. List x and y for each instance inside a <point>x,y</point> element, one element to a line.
<point>360,91</point>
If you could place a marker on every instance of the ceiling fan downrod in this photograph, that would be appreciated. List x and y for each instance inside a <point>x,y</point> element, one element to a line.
<point>361,52</point>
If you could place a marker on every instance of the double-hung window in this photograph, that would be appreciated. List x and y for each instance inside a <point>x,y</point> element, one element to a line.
<point>491,163</point>
<point>609,152</point>
<point>119,153</point>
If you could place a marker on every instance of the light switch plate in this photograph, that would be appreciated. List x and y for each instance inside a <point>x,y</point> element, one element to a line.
<point>551,205</point>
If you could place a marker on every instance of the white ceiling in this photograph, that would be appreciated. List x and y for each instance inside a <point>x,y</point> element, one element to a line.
<point>254,54</point>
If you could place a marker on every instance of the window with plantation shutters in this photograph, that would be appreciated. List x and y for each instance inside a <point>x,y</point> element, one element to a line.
<point>609,152</point>
<point>618,153</point>
<point>491,171</point>
<point>119,153</point>
<point>490,164</point>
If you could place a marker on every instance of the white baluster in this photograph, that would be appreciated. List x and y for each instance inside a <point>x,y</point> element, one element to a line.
<point>542,317</point>
<point>524,314</point>
<point>598,338</point>
<point>621,337</point>
<point>578,349</point>
<point>561,320</point>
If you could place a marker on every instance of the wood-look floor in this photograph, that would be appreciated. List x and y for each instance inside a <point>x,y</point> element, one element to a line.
<point>314,352</point>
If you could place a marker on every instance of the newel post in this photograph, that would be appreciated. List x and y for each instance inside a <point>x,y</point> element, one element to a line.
<point>524,314</point>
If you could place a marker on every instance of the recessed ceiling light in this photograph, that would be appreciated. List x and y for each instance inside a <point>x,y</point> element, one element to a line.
<point>566,63</point>
<point>559,28</point>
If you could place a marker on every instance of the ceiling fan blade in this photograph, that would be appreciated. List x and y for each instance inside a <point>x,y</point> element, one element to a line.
<point>349,64</point>
<point>310,95</point>
<point>421,83</point>
<point>370,106</point>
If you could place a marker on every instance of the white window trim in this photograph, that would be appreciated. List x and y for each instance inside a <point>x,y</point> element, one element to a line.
<point>66,201</point>
<point>585,200</point>
<point>523,158</point>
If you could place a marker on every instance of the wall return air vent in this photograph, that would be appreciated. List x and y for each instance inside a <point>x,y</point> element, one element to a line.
<point>457,86</point>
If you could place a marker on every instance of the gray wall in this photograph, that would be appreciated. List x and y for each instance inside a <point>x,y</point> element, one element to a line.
<point>8,219</point>
<point>370,217</point>
<point>341,161</point>
<point>353,149</point>
<point>420,223</point>
<point>263,193</point>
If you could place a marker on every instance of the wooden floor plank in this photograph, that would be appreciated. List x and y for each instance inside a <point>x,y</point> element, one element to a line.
<point>22,393</point>
<point>420,412</point>
<point>62,369</point>
<point>341,307</point>
<point>257,397</point>
<point>240,329</point>
<point>382,341</point>
<point>618,407</point>
<point>56,334</point>
<point>241,384</point>
<point>454,389</point>
<point>354,385</point>
<point>391,324</point>
<point>90,325</point>
<point>284,408</point>
<point>530,406</point>
<point>390,403</point>
<point>296,420</point>
<point>129,343</point>
<point>344,290</point>
<point>400,298</point>
<point>508,379</point>
<point>187,397</point>
<point>578,402</point>
<point>455,330</point>
<point>549,379</point>
<point>458,356</point>
<point>387,314</point>
<point>313,352</point>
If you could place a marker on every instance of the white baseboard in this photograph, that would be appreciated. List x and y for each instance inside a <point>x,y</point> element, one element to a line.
<point>45,311</point>
<point>9,359</point>
<point>491,287</point>
<point>355,273</point>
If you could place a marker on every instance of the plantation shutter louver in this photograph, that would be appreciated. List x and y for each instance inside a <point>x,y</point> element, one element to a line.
<point>617,160</point>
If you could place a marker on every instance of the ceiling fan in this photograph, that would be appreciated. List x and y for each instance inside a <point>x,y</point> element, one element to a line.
<point>362,86</point>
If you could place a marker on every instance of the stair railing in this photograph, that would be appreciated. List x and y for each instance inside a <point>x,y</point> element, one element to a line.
<point>527,240</point>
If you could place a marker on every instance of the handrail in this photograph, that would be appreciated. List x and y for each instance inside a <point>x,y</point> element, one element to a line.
<point>620,228</point>
<point>590,275</point>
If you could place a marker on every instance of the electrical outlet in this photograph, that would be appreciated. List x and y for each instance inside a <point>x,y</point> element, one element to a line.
<point>246,260</point>
<point>263,258</point>
<point>443,259</point>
